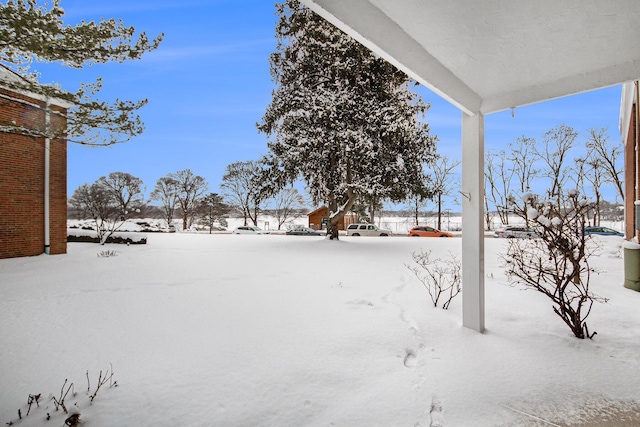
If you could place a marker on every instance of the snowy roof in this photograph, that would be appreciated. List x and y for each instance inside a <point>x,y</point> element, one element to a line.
<point>8,75</point>
<point>627,100</point>
<point>497,54</point>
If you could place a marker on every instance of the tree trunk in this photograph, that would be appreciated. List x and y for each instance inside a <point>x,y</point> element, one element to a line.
<point>439,211</point>
<point>335,215</point>
<point>334,221</point>
<point>596,213</point>
<point>372,214</point>
<point>254,217</point>
<point>487,217</point>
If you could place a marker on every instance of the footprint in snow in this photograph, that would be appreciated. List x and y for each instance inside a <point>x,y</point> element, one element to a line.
<point>360,302</point>
<point>410,359</point>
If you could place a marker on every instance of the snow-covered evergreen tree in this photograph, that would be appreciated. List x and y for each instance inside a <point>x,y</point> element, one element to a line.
<point>32,31</point>
<point>342,119</point>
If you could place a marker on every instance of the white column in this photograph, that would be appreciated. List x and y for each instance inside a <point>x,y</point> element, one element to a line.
<point>472,221</point>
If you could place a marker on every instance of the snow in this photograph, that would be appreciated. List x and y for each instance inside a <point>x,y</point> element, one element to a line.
<point>544,221</point>
<point>273,330</point>
<point>630,244</point>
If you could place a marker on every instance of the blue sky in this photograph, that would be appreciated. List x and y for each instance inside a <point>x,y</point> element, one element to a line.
<point>209,83</point>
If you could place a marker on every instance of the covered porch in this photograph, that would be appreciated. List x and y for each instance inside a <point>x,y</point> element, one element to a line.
<point>490,56</point>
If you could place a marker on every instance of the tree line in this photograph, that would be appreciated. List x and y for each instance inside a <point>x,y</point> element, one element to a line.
<point>556,163</point>
<point>119,196</point>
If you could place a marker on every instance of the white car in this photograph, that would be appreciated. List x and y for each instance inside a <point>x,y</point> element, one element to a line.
<point>249,229</point>
<point>515,231</point>
<point>367,230</point>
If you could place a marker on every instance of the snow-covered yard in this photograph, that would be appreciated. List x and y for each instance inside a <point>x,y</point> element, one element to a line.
<point>227,330</point>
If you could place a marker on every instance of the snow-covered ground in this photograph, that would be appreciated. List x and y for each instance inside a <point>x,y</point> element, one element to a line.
<point>228,330</point>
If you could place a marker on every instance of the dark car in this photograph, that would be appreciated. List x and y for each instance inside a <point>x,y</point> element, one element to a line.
<point>305,231</point>
<point>602,231</point>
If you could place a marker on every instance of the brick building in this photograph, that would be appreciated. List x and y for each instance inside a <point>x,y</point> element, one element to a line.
<point>28,225</point>
<point>629,130</point>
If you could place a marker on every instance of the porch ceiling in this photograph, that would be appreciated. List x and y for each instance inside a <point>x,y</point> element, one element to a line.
<point>491,55</point>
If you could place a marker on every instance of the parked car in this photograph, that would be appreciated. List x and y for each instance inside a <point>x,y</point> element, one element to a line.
<point>519,231</point>
<point>305,231</point>
<point>424,231</point>
<point>249,229</point>
<point>367,230</point>
<point>602,231</point>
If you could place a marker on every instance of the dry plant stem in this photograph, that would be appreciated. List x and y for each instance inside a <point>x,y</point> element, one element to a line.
<point>63,395</point>
<point>33,398</point>
<point>111,376</point>
<point>102,381</point>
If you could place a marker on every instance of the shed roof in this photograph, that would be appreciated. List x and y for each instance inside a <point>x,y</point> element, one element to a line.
<point>492,55</point>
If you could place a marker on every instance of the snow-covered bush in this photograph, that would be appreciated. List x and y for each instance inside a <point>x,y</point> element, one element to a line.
<point>556,263</point>
<point>90,236</point>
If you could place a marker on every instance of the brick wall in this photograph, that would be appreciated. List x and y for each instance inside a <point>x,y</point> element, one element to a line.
<point>22,181</point>
<point>631,164</point>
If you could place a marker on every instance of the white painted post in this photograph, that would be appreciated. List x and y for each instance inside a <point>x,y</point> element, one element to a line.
<point>47,179</point>
<point>472,221</point>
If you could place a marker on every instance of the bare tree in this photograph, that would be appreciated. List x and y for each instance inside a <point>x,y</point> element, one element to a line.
<point>420,192</point>
<point>598,146</point>
<point>488,213</point>
<point>287,204</point>
<point>590,170</point>
<point>127,192</point>
<point>109,201</point>
<point>443,182</point>
<point>554,151</point>
<point>556,263</point>
<point>498,176</point>
<point>92,201</point>
<point>417,205</point>
<point>241,185</point>
<point>166,192</point>
<point>523,162</point>
<point>191,189</point>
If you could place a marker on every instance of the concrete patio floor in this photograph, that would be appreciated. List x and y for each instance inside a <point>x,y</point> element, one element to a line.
<point>612,414</point>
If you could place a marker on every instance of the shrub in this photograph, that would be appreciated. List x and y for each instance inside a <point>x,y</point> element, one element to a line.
<point>556,263</point>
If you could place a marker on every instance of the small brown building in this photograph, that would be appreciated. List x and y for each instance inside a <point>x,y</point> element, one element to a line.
<point>319,218</point>
<point>29,225</point>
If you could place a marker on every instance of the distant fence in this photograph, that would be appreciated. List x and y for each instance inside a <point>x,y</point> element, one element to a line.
<point>404,224</point>
<point>401,224</point>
